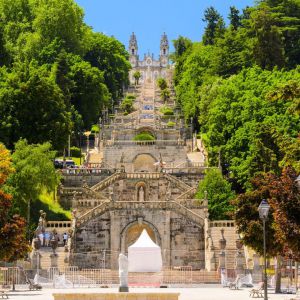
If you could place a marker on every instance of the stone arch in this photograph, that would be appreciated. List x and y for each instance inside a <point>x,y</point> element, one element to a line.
<point>144,162</point>
<point>147,129</point>
<point>132,231</point>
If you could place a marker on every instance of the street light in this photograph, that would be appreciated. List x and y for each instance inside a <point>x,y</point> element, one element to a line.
<point>263,210</point>
<point>192,131</point>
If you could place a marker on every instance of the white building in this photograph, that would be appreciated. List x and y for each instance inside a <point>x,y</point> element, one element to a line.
<point>149,68</point>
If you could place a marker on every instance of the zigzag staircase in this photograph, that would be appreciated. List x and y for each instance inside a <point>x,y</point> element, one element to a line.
<point>107,181</point>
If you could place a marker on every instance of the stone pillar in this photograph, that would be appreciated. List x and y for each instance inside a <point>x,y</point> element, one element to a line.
<point>257,271</point>
<point>240,257</point>
<point>53,260</point>
<point>115,246</point>
<point>166,241</point>
<point>36,260</point>
<point>222,246</point>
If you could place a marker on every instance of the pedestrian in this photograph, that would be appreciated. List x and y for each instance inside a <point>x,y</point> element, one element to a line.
<point>47,238</point>
<point>65,238</point>
<point>41,237</point>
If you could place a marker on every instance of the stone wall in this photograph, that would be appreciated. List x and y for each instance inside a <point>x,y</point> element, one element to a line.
<point>181,241</point>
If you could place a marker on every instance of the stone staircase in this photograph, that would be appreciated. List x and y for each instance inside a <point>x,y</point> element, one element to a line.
<point>46,261</point>
<point>231,237</point>
<point>95,158</point>
<point>107,182</point>
<point>178,183</point>
<point>109,205</point>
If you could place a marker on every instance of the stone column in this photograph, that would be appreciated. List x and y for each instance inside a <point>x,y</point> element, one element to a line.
<point>256,272</point>
<point>222,246</point>
<point>166,241</point>
<point>115,237</point>
<point>240,257</point>
<point>53,260</point>
<point>36,260</point>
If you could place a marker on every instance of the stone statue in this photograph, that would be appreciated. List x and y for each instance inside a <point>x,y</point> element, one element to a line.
<point>123,273</point>
<point>54,241</point>
<point>141,194</point>
<point>42,221</point>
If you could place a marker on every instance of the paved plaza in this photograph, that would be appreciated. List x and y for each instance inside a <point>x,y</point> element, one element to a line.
<point>209,292</point>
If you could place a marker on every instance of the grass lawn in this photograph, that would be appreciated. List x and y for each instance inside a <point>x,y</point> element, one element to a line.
<point>53,206</point>
<point>76,159</point>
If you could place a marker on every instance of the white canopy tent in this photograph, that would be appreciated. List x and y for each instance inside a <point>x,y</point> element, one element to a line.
<point>144,255</point>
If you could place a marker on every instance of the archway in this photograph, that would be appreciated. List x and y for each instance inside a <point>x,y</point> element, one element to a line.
<point>144,163</point>
<point>132,231</point>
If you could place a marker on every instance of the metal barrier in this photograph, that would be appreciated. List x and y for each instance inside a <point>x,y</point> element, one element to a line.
<point>10,276</point>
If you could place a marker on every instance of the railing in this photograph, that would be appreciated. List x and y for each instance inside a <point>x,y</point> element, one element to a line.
<point>108,181</point>
<point>179,183</point>
<point>59,224</point>
<point>188,193</point>
<point>87,171</point>
<point>145,175</point>
<point>145,143</point>
<point>222,224</point>
<point>89,202</point>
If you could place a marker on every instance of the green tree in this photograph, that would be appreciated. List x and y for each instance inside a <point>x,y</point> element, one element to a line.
<point>268,44</point>
<point>234,18</point>
<point>32,106</point>
<point>137,75</point>
<point>13,244</point>
<point>162,83</point>
<point>219,194</point>
<point>215,26</point>
<point>110,57</point>
<point>127,105</point>
<point>165,94</point>
<point>89,94</point>
<point>59,19</point>
<point>35,172</point>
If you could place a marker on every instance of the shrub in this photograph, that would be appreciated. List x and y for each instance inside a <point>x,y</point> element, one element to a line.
<point>130,96</point>
<point>171,124</point>
<point>167,111</point>
<point>127,105</point>
<point>162,83</point>
<point>75,151</point>
<point>144,136</point>
<point>95,128</point>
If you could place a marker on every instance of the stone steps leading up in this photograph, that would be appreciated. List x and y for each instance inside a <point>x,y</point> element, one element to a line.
<point>46,261</point>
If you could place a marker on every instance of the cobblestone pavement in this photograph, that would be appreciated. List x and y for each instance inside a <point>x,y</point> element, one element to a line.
<point>196,293</point>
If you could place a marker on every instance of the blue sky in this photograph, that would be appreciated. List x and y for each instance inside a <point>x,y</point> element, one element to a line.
<point>149,19</point>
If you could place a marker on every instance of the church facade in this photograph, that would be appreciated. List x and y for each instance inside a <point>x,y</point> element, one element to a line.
<point>149,68</point>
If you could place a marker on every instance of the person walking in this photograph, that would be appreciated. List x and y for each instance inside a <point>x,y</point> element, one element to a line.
<point>65,238</point>
<point>47,238</point>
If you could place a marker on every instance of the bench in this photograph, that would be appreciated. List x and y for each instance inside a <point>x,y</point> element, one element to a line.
<point>4,291</point>
<point>257,293</point>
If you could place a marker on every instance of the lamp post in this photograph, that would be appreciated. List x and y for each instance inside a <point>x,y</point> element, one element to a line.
<point>192,131</point>
<point>263,210</point>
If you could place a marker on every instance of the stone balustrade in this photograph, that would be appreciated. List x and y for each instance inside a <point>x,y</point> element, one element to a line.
<point>110,143</point>
<point>88,202</point>
<point>146,175</point>
<point>59,224</point>
<point>222,224</point>
<point>87,171</point>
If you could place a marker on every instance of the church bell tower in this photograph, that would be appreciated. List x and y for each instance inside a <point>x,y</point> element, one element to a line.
<point>133,50</point>
<point>164,50</point>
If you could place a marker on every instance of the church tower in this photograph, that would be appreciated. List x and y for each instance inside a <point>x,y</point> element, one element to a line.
<point>133,50</point>
<point>164,50</point>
